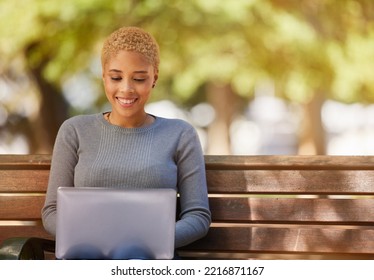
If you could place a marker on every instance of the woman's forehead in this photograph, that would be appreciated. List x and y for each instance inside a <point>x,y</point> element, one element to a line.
<point>128,60</point>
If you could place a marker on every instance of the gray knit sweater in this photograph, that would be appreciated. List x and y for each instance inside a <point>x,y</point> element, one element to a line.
<point>90,152</point>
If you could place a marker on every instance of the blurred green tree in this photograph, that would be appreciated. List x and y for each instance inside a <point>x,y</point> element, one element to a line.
<point>213,50</point>
<point>51,40</point>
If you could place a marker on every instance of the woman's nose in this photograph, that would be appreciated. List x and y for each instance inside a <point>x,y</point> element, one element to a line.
<point>127,86</point>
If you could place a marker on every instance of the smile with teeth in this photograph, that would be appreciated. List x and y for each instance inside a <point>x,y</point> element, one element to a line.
<point>126,101</point>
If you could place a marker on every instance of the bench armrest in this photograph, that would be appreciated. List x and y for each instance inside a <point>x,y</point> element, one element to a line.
<point>25,248</point>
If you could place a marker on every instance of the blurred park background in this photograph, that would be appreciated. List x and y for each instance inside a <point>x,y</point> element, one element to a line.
<point>253,76</point>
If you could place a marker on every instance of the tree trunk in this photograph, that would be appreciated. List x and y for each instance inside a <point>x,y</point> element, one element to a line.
<point>312,137</point>
<point>53,107</point>
<point>53,111</point>
<point>225,103</point>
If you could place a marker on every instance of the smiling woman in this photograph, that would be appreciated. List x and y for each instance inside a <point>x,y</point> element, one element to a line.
<point>130,60</point>
<point>129,148</point>
<point>128,80</point>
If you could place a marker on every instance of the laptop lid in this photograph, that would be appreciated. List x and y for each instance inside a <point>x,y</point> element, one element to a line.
<point>98,223</point>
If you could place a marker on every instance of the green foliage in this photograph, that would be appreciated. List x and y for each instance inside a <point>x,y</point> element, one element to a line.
<point>303,46</point>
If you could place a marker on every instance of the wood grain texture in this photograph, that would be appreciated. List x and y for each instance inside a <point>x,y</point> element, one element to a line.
<point>289,162</point>
<point>291,181</point>
<point>229,162</point>
<point>21,207</point>
<point>19,181</point>
<point>293,210</point>
<point>17,162</point>
<point>266,207</point>
<point>287,240</point>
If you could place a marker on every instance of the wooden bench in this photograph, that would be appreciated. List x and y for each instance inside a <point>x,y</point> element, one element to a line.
<point>263,207</point>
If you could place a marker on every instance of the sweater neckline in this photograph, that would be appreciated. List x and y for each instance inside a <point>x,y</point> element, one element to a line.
<point>114,127</point>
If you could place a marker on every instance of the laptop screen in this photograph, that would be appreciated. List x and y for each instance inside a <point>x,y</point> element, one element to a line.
<point>102,223</point>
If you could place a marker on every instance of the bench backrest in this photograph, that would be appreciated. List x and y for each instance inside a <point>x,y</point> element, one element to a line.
<point>268,207</point>
<point>23,183</point>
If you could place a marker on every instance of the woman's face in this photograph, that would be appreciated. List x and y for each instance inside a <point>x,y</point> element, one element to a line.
<point>128,81</point>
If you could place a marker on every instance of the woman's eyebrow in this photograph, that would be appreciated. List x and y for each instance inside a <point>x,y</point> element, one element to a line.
<point>138,71</point>
<point>141,71</point>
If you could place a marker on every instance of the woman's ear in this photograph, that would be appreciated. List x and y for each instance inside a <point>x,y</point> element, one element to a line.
<point>155,78</point>
<point>102,73</point>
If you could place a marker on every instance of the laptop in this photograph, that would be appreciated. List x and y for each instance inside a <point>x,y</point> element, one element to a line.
<point>102,223</point>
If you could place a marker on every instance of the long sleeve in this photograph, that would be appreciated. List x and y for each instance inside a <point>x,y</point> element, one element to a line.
<point>64,160</point>
<point>195,217</point>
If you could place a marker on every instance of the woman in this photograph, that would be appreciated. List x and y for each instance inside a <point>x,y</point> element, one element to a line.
<point>128,148</point>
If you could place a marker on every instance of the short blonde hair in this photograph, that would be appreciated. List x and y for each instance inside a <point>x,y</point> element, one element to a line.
<point>131,39</point>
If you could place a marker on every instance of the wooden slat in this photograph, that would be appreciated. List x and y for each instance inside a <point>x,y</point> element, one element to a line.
<point>291,210</point>
<point>232,162</point>
<point>349,211</point>
<point>259,181</point>
<point>291,181</point>
<point>25,161</point>
<point>21,207</point>
<point>285,210</point>
<point>198,252</point>
<point>290,240</point>
<point>223,255</point>
<point>290,162</point>
<point>23,180</point>
<point>23,231</point>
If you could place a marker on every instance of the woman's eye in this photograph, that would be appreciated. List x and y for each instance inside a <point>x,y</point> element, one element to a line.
<point>116,78</point>
<point>139,80</point>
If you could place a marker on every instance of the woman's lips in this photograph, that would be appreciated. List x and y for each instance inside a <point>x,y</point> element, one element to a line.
<point>126,102</point>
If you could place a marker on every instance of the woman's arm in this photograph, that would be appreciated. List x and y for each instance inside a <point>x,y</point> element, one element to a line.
<point>64,160</point>
<point>195,216</point>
